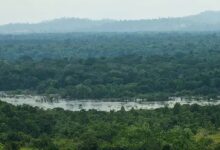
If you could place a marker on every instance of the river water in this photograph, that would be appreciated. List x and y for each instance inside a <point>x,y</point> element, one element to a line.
<point>77,105</point>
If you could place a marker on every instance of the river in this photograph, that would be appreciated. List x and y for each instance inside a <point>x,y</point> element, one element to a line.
<point>77,105</point>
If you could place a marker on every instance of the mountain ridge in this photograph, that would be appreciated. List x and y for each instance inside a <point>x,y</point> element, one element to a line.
<point>204,21</point>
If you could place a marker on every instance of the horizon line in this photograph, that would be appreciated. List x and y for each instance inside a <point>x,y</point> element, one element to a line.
<point>106,19</point>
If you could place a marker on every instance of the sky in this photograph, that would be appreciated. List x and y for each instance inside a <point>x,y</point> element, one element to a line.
<point>31,11</point>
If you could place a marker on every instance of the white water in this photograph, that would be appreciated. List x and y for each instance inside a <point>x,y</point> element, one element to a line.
<point>77,105</point>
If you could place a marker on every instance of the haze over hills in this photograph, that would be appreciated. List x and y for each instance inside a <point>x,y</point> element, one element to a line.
<point>205,21</point>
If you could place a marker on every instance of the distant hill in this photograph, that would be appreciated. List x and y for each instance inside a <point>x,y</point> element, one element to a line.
<point>205,21</point>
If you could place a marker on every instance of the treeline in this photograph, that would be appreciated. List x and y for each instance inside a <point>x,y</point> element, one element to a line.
<point>90,45</point>
<point>183,127</point>
<point>153,77</point>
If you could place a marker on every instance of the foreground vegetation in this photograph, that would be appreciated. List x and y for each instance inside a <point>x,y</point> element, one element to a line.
<point>181,128</point>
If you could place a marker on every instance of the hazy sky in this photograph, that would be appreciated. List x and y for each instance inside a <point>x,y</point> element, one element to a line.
<point>38,10</point>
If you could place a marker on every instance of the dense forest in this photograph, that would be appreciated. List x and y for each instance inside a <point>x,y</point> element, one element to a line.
<point>181,128</point>
<point>153,66</point>
<point>120,77</point>
<point>90,45</point>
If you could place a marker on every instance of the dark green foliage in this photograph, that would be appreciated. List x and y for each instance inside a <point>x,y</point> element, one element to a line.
<point>139,65</point>
<point>93,45</point>
<point>136,130</point>
<point>155,77</point>
<point>153,66</point>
